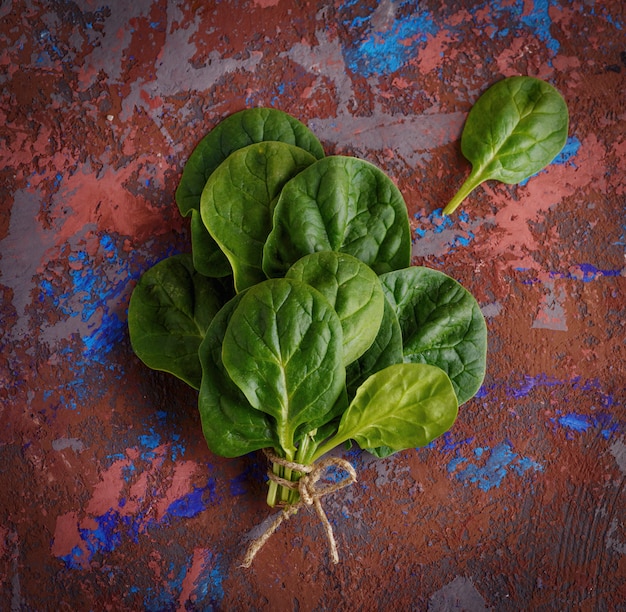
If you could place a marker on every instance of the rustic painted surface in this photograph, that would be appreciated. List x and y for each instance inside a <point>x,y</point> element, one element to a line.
<point>109,498</point>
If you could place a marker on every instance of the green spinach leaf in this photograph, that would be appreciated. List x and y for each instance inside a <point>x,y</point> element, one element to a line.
<point>238,200</point>
<point>231,426</point>
<point>168,314</point>
<point>284,349</point>
<point>441,324</point>
<point>232,133</point>
<point>208,258</point>
<point>353,289</point>
<point>339,204</point>
<point>404,406</point>
<point>516,128</point>
<point>386,350</point>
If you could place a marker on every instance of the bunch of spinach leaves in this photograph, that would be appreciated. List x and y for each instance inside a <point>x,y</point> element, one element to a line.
<point>297,316</point>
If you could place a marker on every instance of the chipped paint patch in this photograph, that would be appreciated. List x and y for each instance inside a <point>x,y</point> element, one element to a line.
<point>492,466</point>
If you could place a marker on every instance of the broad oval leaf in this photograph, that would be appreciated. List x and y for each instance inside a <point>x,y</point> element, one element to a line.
<point>208,258</point>
<point>168,314</point>
<point>238,201</point>
<point>353,289</point>
<point>283,349</point>
<point>441,324</point>
<point>231,426</point>
<point>340,204</point>
<point>236,131</point>
<point>386,350</point>
<point>515,129</point>
<point>232,133</point>
<point>406,405</point>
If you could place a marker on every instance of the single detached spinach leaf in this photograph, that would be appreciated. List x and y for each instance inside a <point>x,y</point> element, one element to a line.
<point>168,314</point>
<point>516,128</point>
<point>404,406</point>
<point>353,289</point>
<point>231,426</point>
<point>339,204</point>
<point>232,133</point>
<point>238,199</point>
<point>441,324</point>
<point>284,349</point>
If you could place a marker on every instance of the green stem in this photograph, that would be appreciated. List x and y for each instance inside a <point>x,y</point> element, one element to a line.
<point>328,446</point>
<point>278,494</point>
<point>272,491</point>
<point>471,182</point>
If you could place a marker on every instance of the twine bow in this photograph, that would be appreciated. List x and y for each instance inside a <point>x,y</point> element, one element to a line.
<point>310,494</point>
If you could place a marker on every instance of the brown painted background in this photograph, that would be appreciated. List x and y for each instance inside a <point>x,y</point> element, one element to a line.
<point>109,498</point>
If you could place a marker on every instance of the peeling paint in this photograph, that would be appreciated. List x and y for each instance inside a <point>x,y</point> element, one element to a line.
<point>100,107</point>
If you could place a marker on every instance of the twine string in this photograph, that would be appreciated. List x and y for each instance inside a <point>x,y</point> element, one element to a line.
<point>310,495</point>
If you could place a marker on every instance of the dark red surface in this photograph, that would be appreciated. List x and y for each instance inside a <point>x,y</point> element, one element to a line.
<point>109,498</point>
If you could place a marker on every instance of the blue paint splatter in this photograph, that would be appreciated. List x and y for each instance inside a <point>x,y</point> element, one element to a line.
<point>384,52</point>
<point>577,422</point>
<point>584,272</point>
<point>449,443</point>
<point>438,223</point>
<point>209,585</point>
<point>573,423</point>
<point>151,440</point>
<point>539,21</point>
<point>500,459</point>
<point>587,272</point>
<point>73,559</point>
<point>569,151</point>
<point>193,503</point>
<point>165,597</point>
<point>106,537</point>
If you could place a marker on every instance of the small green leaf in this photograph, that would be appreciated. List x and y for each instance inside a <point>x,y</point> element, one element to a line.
<point>340,204</point>
<point>404,406</point>
<point>208,258</point>
<point>284,349</point>
<point>238,200</point>
<point>386,350</point>
<point>441,324</point>
<point>515,129</point>
<point>168,314</point>
<point>353,289</point>
<point>231,426</point>
<point>236,131</point>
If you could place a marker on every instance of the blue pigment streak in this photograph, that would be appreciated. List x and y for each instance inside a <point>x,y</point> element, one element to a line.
<point>438,223</point>
<point>605,421</point>
<point>495,468</point>
<point>577,422</point>
<point>568,152</point>
<point>72,559</point>
<point>590,273</point>
<point>209,586</point>
<point>106,537</point>
<point>193,503</point>
<point>166,596</point>
<point>450,444</point>
<point>253,472</point>
<point>151,440</point>
<point>384,52</point>
<point>538,21</point>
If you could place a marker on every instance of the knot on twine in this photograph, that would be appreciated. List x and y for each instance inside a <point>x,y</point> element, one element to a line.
<point>310,494</point>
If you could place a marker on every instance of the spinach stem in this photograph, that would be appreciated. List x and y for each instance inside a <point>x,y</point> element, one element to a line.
<point>272,491</point>
<point>471,182</point>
